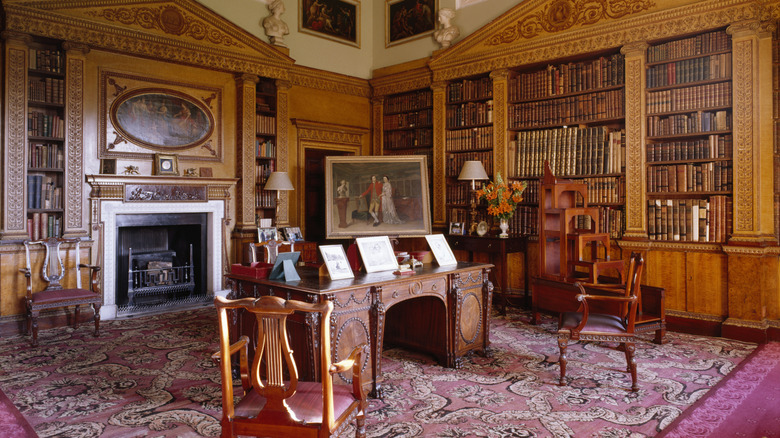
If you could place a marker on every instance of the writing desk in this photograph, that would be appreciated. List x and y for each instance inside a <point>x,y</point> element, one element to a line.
<point>444,311</point>
<point>497,249</point>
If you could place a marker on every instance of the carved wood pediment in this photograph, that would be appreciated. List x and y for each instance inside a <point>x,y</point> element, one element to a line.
<point>181,31</point>
<point>537,31</point>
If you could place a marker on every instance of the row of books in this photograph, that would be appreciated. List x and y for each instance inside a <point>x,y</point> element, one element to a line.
<point>525,220</point>
<point>470,89</point>
<point>409,102</point>
<point>690,220</point>
<point>469,139</point>
<point>40,124</point>
<point>605,189</point>
<point>706,68</point>
<point>714,146</point>
<point>711,42</point>
<point>568,78</point>
<point>408,120</point>
<point>46,155</point>
<point>692,123</point>
<point>455,161</point>
<point>264,104</point>
<point>265,148</point>
<point>47,90</point>
<point>689,98</point>
<point>691,177</point>
<point>265,124</point>
<point>406,139</point>
<point>44,225</point>
<point>568,110</point>
<point>263,171</point>
<point>42,192</point>
<point>469,114</point>
<point>47,60</point>
<point>570,151</point>
<point>459,193</point>
<point>265,199</point>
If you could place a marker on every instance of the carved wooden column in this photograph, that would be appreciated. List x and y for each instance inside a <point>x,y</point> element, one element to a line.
<point>439,154</point>
<point>14,220</point>
<point>500,141</point>
<point>636,117</point>
<point>282,148</point>
<point>752,266</point>
<point>74,203</point>
<point>377,114</point>
<point>245,227</point>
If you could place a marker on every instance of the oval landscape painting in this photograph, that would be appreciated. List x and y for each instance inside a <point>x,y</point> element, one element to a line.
<point>162,119</point>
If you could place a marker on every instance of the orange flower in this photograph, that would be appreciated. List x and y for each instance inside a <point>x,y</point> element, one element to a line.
<point>502,198</point>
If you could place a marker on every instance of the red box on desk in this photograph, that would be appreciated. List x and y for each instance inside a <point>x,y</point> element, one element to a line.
<point>255,270</point>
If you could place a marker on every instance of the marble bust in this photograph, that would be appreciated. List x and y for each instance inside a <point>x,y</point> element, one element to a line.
<point>274,27</point>
<point>447,31</point>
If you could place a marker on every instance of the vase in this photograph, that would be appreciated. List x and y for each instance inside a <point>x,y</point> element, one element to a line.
<point>504,225</point>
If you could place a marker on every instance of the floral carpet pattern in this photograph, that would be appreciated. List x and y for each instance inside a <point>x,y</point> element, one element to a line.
<point>153,377</point>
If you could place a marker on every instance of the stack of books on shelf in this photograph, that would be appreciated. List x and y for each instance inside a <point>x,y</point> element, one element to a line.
<point>455,161</point>
<point>265,125</point>
<point>568,110</point>
<point>714,146</point>
<point>265,148</point>
<point>422,118</point>
<point>46,60</point>
<point>704,68</point>
<point>263,171</point>
<point>265,199</point>
<point>406,139</point>
<point>690,220</point>
<point>43,225</point>
<point>470,89</point>
<point>470,139</point>
<point>40,124</point>
<point>408,102</point>
<point>42,192</point>
<point>694,122</point>
<point>691,177</point>
<point>469,114</point>
<point>689,98</point>
<point>46,155</point>
<point>568,78</point>
<point>47,90</point>
<point>570,151</point>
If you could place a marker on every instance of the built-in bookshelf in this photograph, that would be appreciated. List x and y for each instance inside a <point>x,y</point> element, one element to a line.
<point>572,116</point>
<point>468,137</point>
<point>689,139</point>
<point>776,128</point>
<point>265,147</point>
<point>46,147</point>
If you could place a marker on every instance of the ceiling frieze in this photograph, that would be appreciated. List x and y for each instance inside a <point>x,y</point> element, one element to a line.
<point>326,81</point>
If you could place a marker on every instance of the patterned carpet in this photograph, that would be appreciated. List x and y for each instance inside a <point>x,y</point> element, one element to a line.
<point>153,377</point>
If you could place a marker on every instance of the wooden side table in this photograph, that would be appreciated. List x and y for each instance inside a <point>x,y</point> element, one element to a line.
<point>498,250</point>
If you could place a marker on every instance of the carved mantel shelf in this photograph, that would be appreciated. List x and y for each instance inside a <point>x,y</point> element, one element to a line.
<point>144,188</point>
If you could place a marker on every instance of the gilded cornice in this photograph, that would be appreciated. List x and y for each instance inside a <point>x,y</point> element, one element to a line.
<point>181,31</point>
<point>329,133</point>
<point>416,79</point>
<point>477,55</point>
<point>327,81</point>
<point>649,245</point>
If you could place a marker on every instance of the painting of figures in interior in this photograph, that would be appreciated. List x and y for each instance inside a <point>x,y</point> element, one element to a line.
<point>408,20</point>
<point>369,196</point>
<point>337,20</point>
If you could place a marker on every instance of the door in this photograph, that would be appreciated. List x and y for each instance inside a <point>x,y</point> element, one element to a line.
<point>314,198</point>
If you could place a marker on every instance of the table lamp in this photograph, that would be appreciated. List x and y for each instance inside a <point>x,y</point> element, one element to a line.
<point>473,171</point>
<point>278,181</point>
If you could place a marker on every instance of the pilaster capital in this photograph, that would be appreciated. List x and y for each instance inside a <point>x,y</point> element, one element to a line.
<point>283,84</point>
<point>439,86</point>
<point>246,79</point>
<point>636,48</point>
<point>748,28</point>
<point>377,100</point>
<point>74,48</point>
<point>18,37</point>
<point>502,74</point>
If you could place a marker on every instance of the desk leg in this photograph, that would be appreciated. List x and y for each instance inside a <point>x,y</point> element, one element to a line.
<point>377,339</point>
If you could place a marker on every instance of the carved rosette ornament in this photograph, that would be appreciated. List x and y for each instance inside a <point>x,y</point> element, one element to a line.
<point>561,15</point>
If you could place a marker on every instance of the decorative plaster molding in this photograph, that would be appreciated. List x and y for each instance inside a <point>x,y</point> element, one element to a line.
<point>407,81</point>
<point>74,189</point>
<point>327,81</point>
<point>16,126</point>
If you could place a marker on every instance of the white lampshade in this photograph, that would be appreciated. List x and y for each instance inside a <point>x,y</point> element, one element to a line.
<point>278,181</point>
<point>472,170</point>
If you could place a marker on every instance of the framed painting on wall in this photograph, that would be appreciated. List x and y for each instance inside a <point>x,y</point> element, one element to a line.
<point>407,20</point>
<point>370,196</point>
<point>336,20</point>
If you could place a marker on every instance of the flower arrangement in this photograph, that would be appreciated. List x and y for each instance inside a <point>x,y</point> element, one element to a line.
<point>502,198</point>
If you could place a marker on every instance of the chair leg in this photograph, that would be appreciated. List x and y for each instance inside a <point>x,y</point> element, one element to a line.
<point>96,308</point>
<point>33,324</point>
<point>76,315</point>
<point>562,343</point>
<point>631,363</point>
<point>360,432</point>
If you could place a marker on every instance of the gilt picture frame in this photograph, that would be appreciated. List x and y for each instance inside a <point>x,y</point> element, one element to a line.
<point>165,164</point>
<point>335,20</point>
<point>370,196</point>
<point>408,20</point>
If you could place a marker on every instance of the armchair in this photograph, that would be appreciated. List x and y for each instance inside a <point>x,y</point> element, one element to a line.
<point>614,321</point>
<point>61,290</point>
<point>273,403</point>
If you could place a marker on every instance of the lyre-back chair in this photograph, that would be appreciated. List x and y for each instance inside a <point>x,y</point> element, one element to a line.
<point>273,402</point>
<point>269,250</point>
<point>614,323</point>
<point>61,290</point>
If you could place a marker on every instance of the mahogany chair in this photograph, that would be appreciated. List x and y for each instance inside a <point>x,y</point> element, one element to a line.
<point>273,402</point>
<point>613,321</point>
<point>62,289</point>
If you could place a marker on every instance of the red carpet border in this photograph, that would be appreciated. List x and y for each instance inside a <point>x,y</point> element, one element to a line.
<point>153,377</point>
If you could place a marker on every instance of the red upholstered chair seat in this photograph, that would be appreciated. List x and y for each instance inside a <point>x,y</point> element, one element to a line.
<point>597,323</point>
<point>57,295</point>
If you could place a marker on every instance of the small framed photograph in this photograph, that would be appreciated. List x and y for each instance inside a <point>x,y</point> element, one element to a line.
<point>441,250</point>
<point>108,166</point>
<point>336,262</point>
<point>457,228</point>
<point>266,234</point>
<point>377,253</point>
<point>165,165</point>
<point>293,234</point>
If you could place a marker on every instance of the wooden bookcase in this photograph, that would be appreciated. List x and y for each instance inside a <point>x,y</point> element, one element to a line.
<point>468,136</point>
<point>776,129</point>
<point>689,138</point>
<point>572,116</point>
<point>46,148</point>
<point>265,147</point>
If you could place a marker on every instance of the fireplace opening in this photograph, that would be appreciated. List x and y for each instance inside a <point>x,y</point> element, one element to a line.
<point>160,261</point>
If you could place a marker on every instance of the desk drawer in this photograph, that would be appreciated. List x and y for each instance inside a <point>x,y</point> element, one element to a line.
<point>413,288</point>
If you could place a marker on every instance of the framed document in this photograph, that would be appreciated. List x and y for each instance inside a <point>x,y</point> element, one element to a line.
<point>377,253</point>
<point>441,250</point>
<point>336,262</point>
